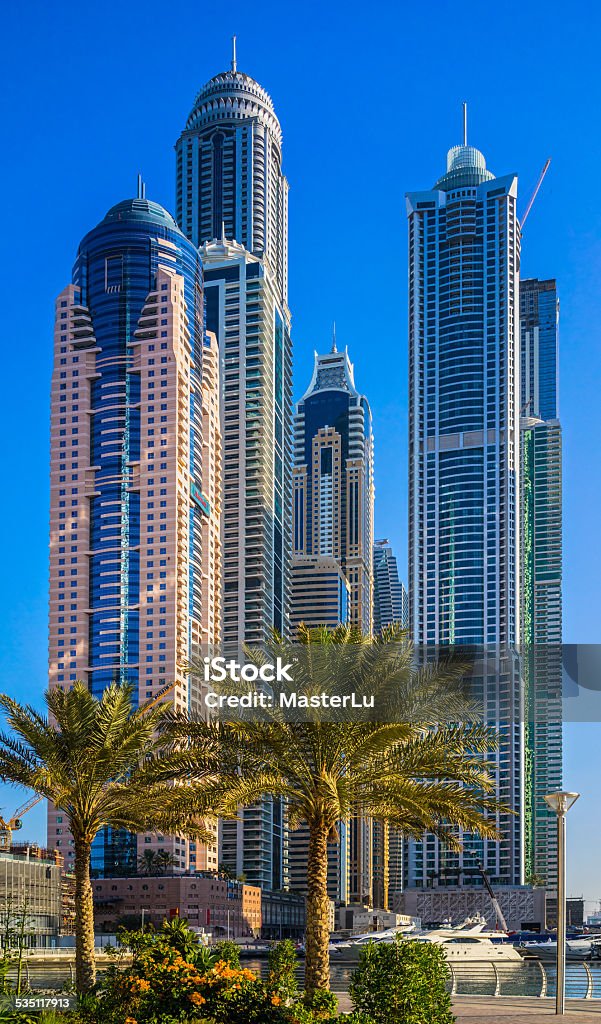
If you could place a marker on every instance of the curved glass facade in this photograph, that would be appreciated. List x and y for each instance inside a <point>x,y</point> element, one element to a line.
<point>135,497</point>
<point>464,452</point>
<point>116,269</point>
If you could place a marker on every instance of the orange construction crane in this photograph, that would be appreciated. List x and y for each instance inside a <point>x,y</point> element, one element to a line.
<point>158,696</point>
<point>14,823</point>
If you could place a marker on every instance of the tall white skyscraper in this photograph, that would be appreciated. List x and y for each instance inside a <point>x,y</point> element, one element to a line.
<point>232,201</point>
<point>464,466</point>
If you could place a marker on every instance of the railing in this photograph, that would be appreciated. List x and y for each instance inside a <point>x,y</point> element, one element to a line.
<point>53,969</point>
<point>531,977</point>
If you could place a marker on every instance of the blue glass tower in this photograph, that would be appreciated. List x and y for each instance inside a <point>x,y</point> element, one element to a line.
<point>464,449</point>
<point>116,269</point>
<point>127,475</point>
<point>333,485</point>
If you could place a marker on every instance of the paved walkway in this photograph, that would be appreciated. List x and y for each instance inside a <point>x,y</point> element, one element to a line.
<point>506,1010</point>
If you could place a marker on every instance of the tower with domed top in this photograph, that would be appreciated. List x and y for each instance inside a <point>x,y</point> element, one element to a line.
<point>229,171</point>
<point>232,202</point>
<point>464,462</point>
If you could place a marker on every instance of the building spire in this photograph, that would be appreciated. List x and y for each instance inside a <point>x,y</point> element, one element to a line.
<point>465,124</point>
<point>141,194</point>
<point>334,349</point>
<point>234,61</point>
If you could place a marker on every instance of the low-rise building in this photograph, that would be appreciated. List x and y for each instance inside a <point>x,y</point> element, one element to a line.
<point>30,895</point>
<point>220,906</point>
<point>283,915</point>
<point>523,906</point>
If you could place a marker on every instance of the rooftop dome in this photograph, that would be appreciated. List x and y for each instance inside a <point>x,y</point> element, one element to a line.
<point>466,167</point>
<point>233,83</point>
<point>232,95</point>
<point>141,210</point>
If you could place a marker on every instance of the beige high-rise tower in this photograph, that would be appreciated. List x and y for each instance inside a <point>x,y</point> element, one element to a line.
<point>135,549</point>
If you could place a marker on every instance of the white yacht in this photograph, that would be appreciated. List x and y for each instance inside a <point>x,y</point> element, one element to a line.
<point>576,949</point>
<point>469,941</point>
<point>472,940</point>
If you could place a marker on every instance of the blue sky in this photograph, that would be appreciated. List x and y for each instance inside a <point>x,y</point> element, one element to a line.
<point>370,101</point>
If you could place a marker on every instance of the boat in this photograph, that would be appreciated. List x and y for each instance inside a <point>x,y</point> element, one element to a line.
<point>472,940</point>
<point>468,941</point>
<point>576,949</point>
<point>349,949</point>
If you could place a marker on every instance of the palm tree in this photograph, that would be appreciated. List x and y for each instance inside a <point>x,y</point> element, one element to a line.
<point>165,860</point>
<point>401,762</point>
<point>103,764</point>
<point>147,863</point>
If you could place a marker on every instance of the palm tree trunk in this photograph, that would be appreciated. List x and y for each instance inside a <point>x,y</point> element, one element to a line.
<point>85,961</point>
<point>317,938</point>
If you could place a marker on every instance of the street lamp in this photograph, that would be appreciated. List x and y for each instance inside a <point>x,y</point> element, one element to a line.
<point>145,910</point>
<point>561,803</point>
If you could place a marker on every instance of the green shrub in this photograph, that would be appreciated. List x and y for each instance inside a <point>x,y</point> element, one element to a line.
<point>228,951</point>
<point>358,1017</point>
<point>323,1004</point>
<point>283,962</point>
<point>402,983</point>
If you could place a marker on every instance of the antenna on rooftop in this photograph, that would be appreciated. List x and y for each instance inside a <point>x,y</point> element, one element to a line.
<point>234,61</point>
<point>141,188</point>
<point>465,124</point>
<point>334,349</point>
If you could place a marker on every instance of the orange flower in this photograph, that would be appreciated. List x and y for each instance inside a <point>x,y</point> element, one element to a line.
<point>197,999</point>
<point>275,1000</point>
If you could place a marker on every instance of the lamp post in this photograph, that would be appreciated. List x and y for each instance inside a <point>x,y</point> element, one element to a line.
<point>561,803</point>
<point>144,910</point>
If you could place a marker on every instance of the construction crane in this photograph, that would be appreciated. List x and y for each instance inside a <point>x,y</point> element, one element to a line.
<point>535,193</point>
<point>158,696</point>
<point>496,906</point>
<point>14,823</point>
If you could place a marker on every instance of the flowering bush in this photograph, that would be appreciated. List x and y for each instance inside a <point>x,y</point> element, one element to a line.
<point>172,979</point>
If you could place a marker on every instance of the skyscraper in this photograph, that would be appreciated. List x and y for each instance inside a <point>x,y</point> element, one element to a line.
<point>333,514</point>
<point>391,603</point>
<point>464,454</point>
<point>135,551</point>
<point>333,478</point>
<point>391,607</point>
<point>232,200</point>
<point>320,592</point>
<point>541,571</point>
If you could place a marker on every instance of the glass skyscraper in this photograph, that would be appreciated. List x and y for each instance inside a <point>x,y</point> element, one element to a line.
<point>391,602</point>
<point>333,515</point>
<point>464,452</point>
<point>333,510</point>
<point>232,201</point>
<point>135,495</point>
<point>541,612</point>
